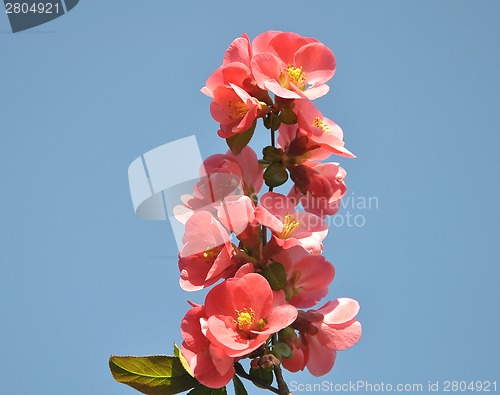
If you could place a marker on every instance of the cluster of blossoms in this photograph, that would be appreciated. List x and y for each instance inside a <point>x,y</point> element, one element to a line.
<point>266,247</point>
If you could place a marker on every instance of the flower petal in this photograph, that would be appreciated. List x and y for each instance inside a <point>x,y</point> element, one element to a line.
<point>285,45</point>
<point>340,338</point>
<point>206,372</point>
<point>261,42</point>
<point>296,362</point>
<point>236,213</point>
<point>321,359</point>
<point>279,318</point>
<point>317,61</point>
<point>222,362</point>
<point>250,291</point>
<point>239,51</point>
<point>339,311</point>
<point>266,67</point>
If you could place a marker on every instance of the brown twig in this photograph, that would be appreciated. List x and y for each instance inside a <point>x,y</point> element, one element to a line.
<point>282,385</point>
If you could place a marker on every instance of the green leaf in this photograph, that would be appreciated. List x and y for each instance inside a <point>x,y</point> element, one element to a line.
<point>184,362</point>
<point>267,121</point>
<point>275,274</point>
<point>282,350</point>
<point>288,116</point>
<point>239,388</point>
<point>275,122</point>
<point>202,390</point>
<point>152,375</point>
<point>240,140</point>
<point>275,175</point>
<point>272,154</point>
<point>272,121</point>
<point>264,376</point>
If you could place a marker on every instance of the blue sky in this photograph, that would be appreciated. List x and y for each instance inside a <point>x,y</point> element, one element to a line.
<point>416,92</point>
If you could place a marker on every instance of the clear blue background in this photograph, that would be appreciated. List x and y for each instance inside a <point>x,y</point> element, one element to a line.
<point>417,94</point>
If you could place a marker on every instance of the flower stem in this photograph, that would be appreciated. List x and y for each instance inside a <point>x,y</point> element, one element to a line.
<point>264,229</point>
<point>282,385</point>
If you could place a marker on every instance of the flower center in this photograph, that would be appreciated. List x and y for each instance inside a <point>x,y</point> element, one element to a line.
<point>321,124</point>
<point>245,318</point>
<point>294,75</point>
<point>211,253</point>
<point>236,109</point>
<point>290,225</point>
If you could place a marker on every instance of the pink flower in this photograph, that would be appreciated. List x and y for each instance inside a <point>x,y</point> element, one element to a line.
<point>208,363</point>
<point>319,129</point>
<point>241,314</point>
<point>206,254</point>
<point>251,171</point>
<point>308,276</point>
<point>235,69</point>
<point>239,51</point>
<point>290,227</point>
<point>308,180</point>
<point>298,359</point>
<point>235,110</point>
<point>292,66</point>
<point>298,146</point>
<point>231,73</point>
<point>322,197</point>
<point>325,331</point>
<point>236,213</point>
<point>222,176</point>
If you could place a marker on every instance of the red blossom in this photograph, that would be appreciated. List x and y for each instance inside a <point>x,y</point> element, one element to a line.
<point>292,66</point>
<point>241,315</point>
<point>289,226</point>
<point>314,199</point>
<point>206,254</point>
<point>235,110</point>
<point>321,130</point>
<point>323,332</point>
<point>308,276</point>
<point>208,363</point>
<point>221,176</point>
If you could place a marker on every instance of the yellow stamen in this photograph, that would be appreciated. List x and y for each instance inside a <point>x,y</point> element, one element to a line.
<point>321,124</point>
<point>290,225</point>
<point>236,110</point>
<point>262,323</point>
<point>294,75</point>
<point>245,319</point>
<point>211,253</point>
